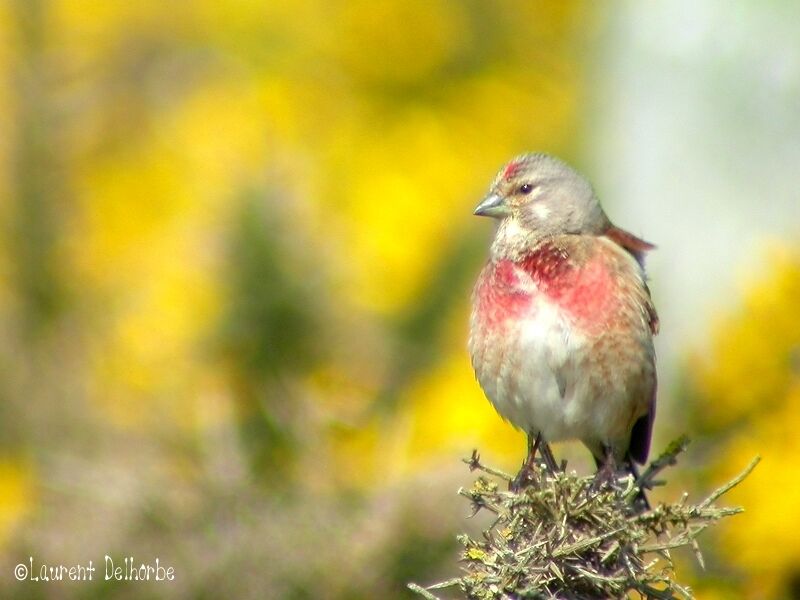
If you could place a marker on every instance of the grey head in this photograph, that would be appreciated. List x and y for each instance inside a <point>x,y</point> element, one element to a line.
<point>545,196</point>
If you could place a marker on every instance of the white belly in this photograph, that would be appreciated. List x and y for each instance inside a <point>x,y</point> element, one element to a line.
<point>535,385</point>
<point>536,373</point>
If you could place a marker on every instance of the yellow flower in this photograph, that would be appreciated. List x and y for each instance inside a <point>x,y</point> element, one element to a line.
<point>448,414</point>
<point>16,495</point>
<point>749,395</point>
<point>751,363</point>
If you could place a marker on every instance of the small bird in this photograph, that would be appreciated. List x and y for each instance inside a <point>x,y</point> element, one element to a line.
<point>562,323</point>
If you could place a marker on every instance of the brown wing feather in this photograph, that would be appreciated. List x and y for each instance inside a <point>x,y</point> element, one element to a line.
<point>652,315</point>
<point>636,246</point>
<point>642,431</point>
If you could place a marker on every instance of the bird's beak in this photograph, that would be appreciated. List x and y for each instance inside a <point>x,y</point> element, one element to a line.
<point>492,206</point>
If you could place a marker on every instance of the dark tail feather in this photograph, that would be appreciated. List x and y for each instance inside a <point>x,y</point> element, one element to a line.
<point>641,435</point>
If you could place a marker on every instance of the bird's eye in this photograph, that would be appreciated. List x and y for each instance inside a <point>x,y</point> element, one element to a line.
<point>526,188</point>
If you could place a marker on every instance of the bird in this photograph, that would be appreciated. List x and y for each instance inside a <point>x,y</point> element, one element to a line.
<point>562,321</point>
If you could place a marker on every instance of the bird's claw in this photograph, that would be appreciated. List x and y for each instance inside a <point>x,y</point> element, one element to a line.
<point>525,478</point>
<point>604,478</point>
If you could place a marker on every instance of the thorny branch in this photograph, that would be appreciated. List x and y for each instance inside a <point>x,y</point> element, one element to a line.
<point>564,538</point>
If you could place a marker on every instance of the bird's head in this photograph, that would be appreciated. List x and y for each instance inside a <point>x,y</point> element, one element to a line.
<point>543,196</point>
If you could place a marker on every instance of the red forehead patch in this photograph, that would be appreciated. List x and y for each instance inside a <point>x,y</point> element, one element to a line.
<point>511,169</point>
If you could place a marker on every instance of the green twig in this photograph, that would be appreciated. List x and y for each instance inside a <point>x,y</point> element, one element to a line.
<point>422,592</point>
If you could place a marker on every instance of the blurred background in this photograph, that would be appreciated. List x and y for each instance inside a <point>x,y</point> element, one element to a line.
<point>237,251</point>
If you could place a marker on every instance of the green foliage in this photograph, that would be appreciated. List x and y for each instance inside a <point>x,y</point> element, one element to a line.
<point>418,331</point>
<point>271,323</point>
<point>38,183</point>
<point>270,332</point>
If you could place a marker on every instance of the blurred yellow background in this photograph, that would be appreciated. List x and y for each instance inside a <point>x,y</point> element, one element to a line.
<point>237,253</point>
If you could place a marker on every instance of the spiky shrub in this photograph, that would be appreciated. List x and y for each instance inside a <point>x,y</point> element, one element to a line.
<point>566,537</point>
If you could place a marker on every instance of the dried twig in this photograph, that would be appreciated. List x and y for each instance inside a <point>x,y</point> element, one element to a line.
<point>563,538</point>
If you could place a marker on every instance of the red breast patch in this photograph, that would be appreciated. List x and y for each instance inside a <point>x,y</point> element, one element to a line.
<point>499,296</point>
<point>587,292</point>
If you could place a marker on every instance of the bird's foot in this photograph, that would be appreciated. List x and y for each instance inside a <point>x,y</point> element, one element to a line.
<point>525,478</point>
<point>605,477</point>
<point>549,460</point>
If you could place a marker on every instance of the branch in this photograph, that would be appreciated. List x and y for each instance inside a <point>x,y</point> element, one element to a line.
<point>570,537</point>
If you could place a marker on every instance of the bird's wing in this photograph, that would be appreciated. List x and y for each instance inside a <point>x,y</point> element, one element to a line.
<point>652,315</point>
<point>637,248</point>
<point>642,431</point>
